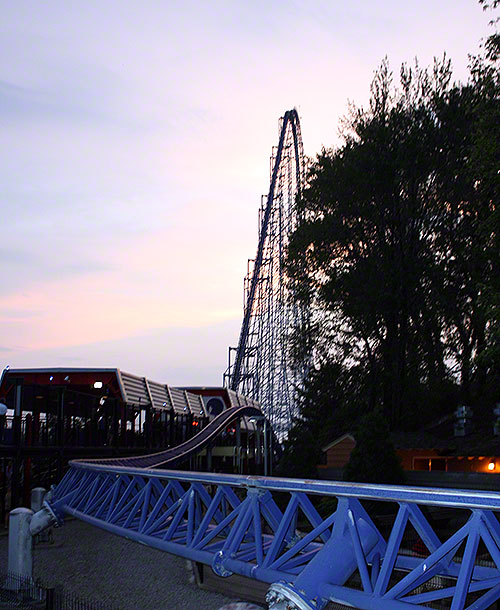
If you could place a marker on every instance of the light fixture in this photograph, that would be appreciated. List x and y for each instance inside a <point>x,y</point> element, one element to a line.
<point>97,385</point>
<point>164,404</point>
<point>66,378</point>
<point>491,465</point>
<point>51,378</point>
<point>103,400</point>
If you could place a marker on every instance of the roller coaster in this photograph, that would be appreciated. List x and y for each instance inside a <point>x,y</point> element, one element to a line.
<point>372,547</point>
<point>263,369</point>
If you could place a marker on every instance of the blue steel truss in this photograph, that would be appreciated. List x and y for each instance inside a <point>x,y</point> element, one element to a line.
<point>271,529</point>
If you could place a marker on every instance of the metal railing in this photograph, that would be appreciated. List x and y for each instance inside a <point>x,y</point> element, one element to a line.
<point>30,594</point>
<point>90,432</point>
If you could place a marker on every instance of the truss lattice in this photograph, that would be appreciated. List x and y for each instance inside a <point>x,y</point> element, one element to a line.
<point>262,367</point>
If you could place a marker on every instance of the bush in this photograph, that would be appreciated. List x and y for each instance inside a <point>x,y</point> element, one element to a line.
<point>374,459</point>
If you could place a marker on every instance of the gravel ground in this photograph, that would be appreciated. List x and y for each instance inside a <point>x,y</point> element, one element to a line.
<point>129,576</point>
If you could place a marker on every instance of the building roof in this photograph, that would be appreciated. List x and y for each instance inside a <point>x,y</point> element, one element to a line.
<point>134,390</point>
<point>339,440</point>
<point>439,436</point>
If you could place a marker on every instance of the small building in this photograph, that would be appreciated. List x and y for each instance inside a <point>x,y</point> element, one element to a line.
<point>432,456</point>
<point>337,453</point>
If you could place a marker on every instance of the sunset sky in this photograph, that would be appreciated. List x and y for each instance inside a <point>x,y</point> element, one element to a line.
<point>135,138</point>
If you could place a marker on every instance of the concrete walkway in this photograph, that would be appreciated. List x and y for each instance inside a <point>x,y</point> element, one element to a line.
<point>129,576</point>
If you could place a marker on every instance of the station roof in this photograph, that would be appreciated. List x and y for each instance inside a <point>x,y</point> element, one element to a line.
<point>133,390</point>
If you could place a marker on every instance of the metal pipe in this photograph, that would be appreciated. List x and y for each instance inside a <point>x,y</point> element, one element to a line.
<point>37,497</point>
<point>266,449</point>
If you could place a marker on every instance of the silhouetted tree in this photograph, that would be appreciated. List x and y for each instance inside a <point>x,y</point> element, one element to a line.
<point>397,254</point>
<point>374,459</point>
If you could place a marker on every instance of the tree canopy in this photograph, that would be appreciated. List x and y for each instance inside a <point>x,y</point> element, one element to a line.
<point>397,257</point>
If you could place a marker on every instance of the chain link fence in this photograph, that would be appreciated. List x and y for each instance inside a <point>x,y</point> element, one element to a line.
<point>28,594</point>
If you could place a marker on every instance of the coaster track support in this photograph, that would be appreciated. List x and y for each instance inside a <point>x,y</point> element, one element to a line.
<point>248,525</point>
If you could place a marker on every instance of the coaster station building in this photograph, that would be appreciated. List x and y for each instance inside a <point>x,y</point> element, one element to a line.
<point>55,415</point>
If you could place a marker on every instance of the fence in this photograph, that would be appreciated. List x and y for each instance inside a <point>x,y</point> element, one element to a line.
<point>28,594</point>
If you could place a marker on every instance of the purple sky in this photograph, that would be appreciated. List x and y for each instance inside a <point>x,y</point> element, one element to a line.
<point>135,139</point>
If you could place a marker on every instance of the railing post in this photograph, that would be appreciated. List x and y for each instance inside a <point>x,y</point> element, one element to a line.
<point>20,560</point>
<point>238,446</point>
<point>266,449</point>
<point>49,599</point>
<point>37,496</point>
<point>17,441</point>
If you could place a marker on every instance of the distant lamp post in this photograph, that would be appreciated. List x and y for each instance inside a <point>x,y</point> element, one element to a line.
<point>491,465</point>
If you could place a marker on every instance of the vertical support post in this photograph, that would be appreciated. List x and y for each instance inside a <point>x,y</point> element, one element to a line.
<point>60,432</point>
<point>258,446</point>
<point>4,487</point>
<point>171,427</point>
<point>36,423</point>
<point>37,496</point>
<point>49,599</point>
<point>147,425</point>
<point>20,560</point>
<point>271,452</point>
<point>16,466</point>
<point>123,431</point>
<point>115,425</point>
<point>28,441</point>
<point>238,446</point>
<point>266,450</point>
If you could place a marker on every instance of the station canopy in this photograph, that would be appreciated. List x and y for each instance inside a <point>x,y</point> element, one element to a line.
<point>132,390</point>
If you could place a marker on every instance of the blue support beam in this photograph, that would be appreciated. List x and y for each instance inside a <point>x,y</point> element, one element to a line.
<point>270,529</point>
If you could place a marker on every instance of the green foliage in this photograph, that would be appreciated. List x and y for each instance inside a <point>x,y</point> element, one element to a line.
<point>322,415</point>
<point>399,241</point>
<point>397,255</point>
<point>300,455</point>
<point>374,459</point>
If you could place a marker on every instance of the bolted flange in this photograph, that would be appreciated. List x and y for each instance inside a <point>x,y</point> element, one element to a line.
<point>218,564</point>
<point>283,596</point>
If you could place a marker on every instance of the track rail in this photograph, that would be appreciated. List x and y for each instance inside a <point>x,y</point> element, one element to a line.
<point>182,452</point>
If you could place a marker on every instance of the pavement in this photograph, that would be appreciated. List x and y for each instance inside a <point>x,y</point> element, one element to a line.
<point>94,564</point>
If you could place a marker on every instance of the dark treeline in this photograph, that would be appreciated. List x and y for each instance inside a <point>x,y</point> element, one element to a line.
<point>397,258</point>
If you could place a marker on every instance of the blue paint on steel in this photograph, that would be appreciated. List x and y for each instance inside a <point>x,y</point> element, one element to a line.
<point>235,524</point>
